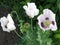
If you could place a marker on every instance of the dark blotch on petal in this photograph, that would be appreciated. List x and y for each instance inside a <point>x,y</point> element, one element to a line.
<point>42,24</point>
<point>53,22</point>
<point>5,26</point>
<point>47,18</point>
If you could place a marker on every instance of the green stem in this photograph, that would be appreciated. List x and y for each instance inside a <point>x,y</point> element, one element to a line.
<point>16,14</point>
<point>31,25</point>
<point>17,34</point>
<point>18,20</point>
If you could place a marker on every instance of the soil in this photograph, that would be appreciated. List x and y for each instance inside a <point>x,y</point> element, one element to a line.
<point>5,37</point>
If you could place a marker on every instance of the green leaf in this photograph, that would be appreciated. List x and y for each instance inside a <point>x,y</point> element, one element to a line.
<point>57,35</point>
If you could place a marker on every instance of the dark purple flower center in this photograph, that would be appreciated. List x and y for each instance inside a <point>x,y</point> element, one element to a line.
<point>53,22</point>
<point>42,24</point>
<point>47,18</point>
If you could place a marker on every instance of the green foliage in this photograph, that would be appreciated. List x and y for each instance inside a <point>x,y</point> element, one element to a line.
<point>28,0</point>
<point>43,37</point>
<point>58,4</point>
<point>31,38</point>
<point>51,1</point>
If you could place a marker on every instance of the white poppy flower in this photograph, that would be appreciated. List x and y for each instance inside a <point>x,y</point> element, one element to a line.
<point>47,21</point>
<point>7,24</point>
<point>31,9</point>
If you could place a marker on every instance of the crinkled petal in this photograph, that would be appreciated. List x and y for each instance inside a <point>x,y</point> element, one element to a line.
<point>25,7</point>
<point>5,29</point>
<point>41,18</point>
<point>53,27</point>
<point>36,12</point>
<point>30,13</point>
<point>31,5</point>
<point>10,19</point>
<point>48,13</point>
<point>3,21</point>
<point>11,26</point>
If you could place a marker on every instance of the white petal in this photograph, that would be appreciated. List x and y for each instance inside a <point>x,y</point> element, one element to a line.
<point>5,29</point>
<point>31,5</point>
<point>30,13</point>
<point>41,26</point>
<point>10,19</point>
<point>53,27</point>
<point>11,26</point>
<point>48,13</point>
<point>36,12</point>
<point>25,7</point>
<point>3,21</point>
<point>41,18</point>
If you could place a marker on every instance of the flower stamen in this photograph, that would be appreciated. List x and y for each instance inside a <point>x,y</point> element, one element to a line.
<point>47,22</point>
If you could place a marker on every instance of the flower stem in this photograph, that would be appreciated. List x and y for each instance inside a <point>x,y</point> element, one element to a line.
<point>17,34</point>
<point>31,25</point>
<point>18,20</point>
<point>16,14</point>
